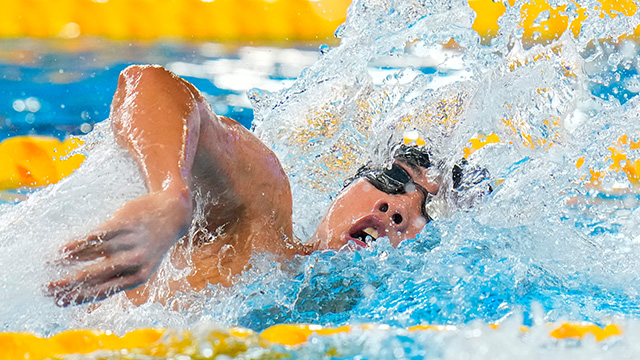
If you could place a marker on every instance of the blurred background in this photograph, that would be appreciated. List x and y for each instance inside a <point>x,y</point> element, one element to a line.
<point>59,60</point>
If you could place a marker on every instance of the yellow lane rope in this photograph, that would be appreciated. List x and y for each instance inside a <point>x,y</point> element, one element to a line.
<point>29,161</point>
<point>231,342</point>
<point>192,19</point>
<point>253,19</point>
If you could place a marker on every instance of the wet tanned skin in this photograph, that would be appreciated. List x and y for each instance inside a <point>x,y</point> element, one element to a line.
<point>362,206</point>
<point>181,146</point>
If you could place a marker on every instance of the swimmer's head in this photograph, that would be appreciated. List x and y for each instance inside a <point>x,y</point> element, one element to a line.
<point>377,202</point>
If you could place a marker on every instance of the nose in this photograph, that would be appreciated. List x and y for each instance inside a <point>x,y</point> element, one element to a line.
<point>397,218</point>
<point>394,211</point>
<point>401,216</point>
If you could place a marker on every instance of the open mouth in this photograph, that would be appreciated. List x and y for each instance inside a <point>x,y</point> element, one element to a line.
<point>367,235</point>
<point>366,230</point>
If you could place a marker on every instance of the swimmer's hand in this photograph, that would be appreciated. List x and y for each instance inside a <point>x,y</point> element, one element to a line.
<point>125,251</point>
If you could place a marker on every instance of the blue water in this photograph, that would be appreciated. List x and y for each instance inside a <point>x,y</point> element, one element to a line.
<point>73,81</point>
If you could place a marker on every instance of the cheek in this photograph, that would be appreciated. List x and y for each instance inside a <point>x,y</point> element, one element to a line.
<point>413,229</point>
<point>367,187</point>
<point>419,223</point>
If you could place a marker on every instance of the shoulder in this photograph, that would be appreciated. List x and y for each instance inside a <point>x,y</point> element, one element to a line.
<point>233,158</point>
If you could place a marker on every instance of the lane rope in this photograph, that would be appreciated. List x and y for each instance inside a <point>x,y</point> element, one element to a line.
<point>230,342</point>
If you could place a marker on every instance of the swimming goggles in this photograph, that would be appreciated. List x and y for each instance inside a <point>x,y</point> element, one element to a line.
<point>394,181</point>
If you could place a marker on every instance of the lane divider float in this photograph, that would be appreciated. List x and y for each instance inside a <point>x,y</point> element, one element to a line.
<point>32,161</point>
<point>204,344</point>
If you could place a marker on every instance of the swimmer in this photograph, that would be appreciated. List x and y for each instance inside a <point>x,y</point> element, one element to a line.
<point>181,145</point>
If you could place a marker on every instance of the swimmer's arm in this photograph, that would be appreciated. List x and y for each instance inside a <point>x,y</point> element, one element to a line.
<point>156,117</point>
<point>177,140</point>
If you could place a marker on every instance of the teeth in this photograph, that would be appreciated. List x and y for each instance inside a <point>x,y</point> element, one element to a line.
<point>371,232</point>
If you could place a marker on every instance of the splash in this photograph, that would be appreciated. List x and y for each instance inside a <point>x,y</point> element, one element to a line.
<point>554,114</point>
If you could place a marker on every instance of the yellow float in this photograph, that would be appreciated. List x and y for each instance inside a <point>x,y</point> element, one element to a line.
<point>224,20</point>
<point>32,161</point>
<point>556,23</point>
<point>232,342</point>
<point>29,161</point>
<point>220,20</point>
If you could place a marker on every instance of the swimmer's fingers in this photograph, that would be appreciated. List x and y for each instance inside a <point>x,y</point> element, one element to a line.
<point>77,244</point>
<point>68,295</point>
<point>96,282</point>
<point>91,247</point>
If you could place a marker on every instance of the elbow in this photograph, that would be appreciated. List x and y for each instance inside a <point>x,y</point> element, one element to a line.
<point>140,89</point>
<point>139,79</point>
<point>135,74</point>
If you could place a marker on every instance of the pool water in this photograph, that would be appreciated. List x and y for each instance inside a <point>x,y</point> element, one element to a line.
<point>556,240</point>
<point>62,87</point>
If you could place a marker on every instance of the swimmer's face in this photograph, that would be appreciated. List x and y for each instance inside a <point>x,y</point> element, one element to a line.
<point>362,213</point>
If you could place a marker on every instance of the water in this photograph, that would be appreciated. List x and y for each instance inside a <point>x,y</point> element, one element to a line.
<point>555,241</point>
<point>61,87</point>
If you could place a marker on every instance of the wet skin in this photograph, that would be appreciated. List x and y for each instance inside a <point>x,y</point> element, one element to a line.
<point>181,146</point>
<point>362,207</point>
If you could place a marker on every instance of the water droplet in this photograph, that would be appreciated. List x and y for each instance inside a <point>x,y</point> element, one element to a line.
<point>19,105</point>
<point>86,127</point>
<point>614,59</point>
<point>33,104</point>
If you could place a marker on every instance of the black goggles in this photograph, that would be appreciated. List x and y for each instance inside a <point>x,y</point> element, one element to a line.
<point>395,181</point>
